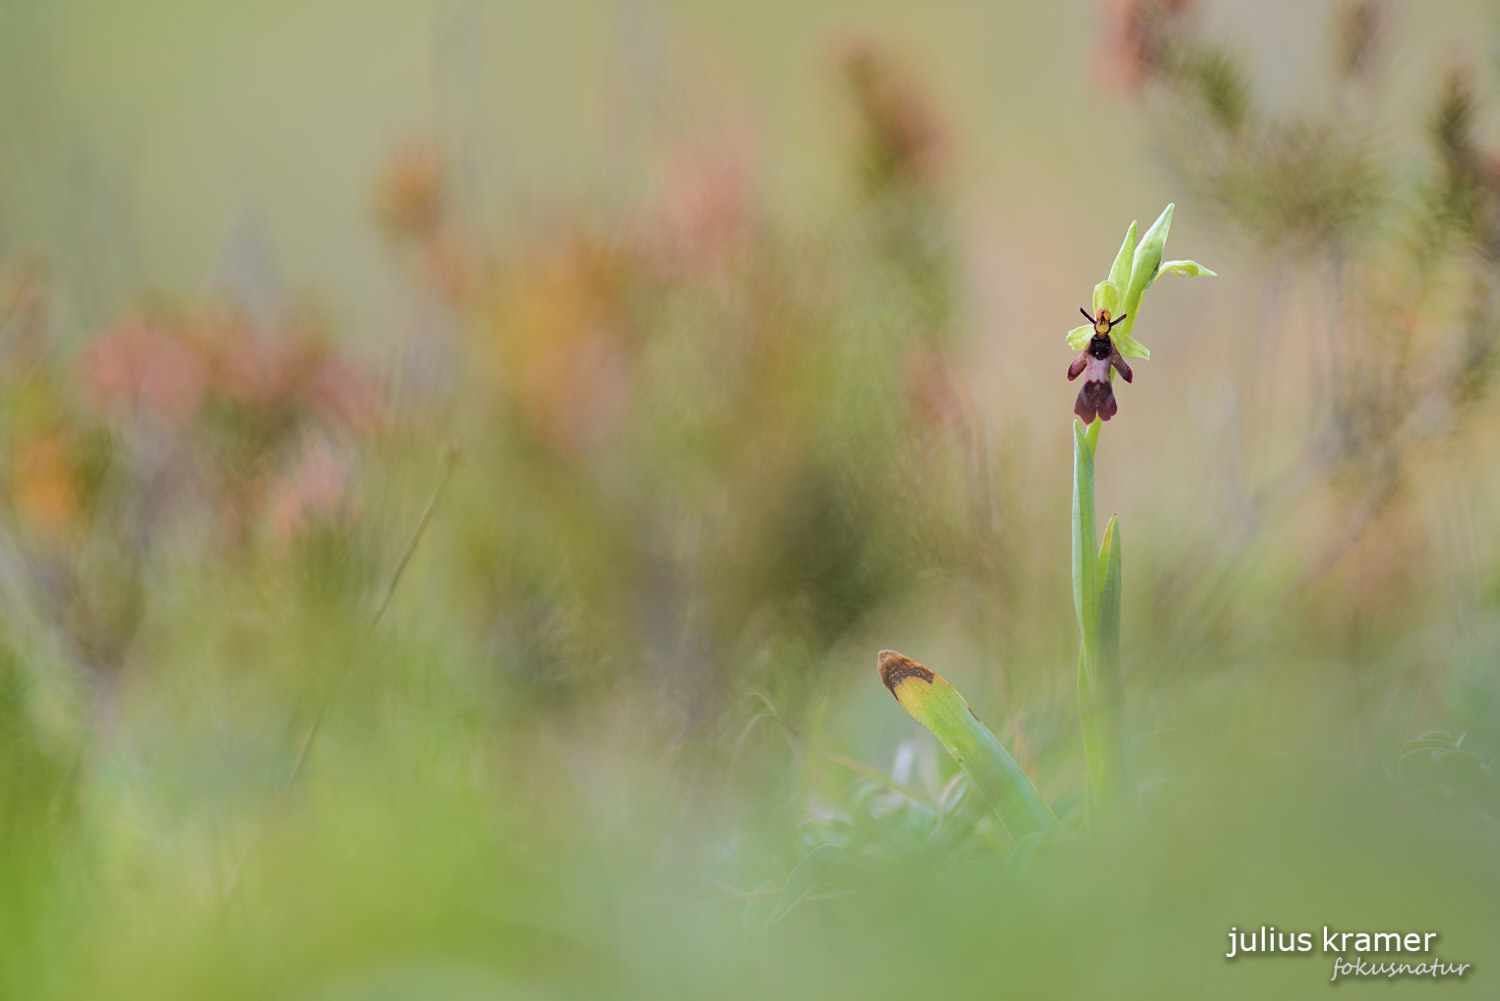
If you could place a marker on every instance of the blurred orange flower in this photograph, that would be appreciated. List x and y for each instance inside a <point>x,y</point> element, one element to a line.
<point>44,484</point>
<point>411,192</point>
<point>565,357</point>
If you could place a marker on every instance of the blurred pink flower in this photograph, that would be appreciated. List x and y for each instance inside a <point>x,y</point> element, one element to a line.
<point>314,493</point>
<point>245,368</point>
<point>931,392</point>
<point>906,140</point>
<point>1135,39</point>
<point>291,368</point>
<point>341,395</point>
<point>704,209</point>
<point>139,365</point>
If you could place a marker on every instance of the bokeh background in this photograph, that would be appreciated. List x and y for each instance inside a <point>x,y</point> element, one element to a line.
<point>461,459</point>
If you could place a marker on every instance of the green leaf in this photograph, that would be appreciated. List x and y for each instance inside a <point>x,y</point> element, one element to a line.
<point>939,707</point>
<point>1090,726</point>
<point>1097,585</point>
<point>1101,693</point>
<point>1078,337</point>
<point>1113,792</point>
<point>1188,269</point>
<point>1109,600</point>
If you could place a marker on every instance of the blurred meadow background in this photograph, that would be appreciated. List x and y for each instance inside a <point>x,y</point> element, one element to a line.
<point>461,460</point>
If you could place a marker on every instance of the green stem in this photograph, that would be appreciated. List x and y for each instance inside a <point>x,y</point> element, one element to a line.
<point>1096,600</point>
<point>1085,552</point>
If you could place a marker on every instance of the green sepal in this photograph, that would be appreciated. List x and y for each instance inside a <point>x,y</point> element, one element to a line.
<point>1119,272</point>
<point>1188,269</point>
<point>1136,267</point>
<point>1106,296</point>
<point>1148,258</point>
<point>1143,268</point>
<point>1128,346</point>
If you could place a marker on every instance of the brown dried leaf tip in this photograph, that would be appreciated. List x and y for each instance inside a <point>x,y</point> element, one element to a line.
<point>894,669</point>
<point>1096,397</point>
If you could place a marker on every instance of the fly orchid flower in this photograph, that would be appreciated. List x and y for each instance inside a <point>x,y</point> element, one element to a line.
<point>1104,342</point>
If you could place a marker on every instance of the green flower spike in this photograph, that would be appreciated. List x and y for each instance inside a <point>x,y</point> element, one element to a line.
<point>1102,346</point>
<point>1119,295</point>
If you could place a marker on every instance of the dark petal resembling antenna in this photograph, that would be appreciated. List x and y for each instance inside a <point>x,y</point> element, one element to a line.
<point>1117,320</point>
<point>1086,315</point>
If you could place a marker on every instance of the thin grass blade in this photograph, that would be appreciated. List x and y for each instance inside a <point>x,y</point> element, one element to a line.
<point>804,878</point>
